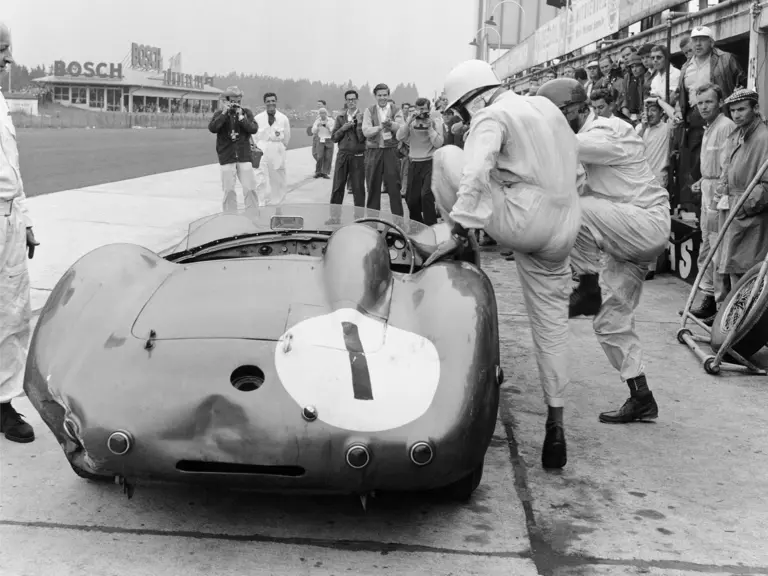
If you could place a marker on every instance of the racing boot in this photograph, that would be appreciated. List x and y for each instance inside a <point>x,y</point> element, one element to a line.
<point>553,454</point>
<point>12,425</point>
<point>641,406</point>
<point>586,298</point>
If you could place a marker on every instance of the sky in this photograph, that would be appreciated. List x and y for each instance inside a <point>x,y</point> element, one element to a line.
<point>391,41</point>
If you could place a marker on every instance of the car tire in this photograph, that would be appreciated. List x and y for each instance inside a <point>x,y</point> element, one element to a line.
<point>92,477</point>
<point>463,488</point>
<point>754,332</point>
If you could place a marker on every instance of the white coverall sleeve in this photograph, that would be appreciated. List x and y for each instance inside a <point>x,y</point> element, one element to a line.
<point>474,206</point>
<point>20,201</point>
<point>316,126</point>
<point>597,147</point>
<point>287,131</point>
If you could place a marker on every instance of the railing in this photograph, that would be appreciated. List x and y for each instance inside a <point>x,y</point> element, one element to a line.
<point>88,119</point>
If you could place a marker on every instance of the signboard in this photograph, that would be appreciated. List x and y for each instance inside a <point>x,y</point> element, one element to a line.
<point>683,257</point>
<point>146,57</point>
<point>631,11</point>
<point>590,21</point>
<point>518,58</point>
<point>87,70</point>
<point>549,40</point>
<point>186,80</point>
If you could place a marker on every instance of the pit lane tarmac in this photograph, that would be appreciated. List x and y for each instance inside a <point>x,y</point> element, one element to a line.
<point>685,495</point>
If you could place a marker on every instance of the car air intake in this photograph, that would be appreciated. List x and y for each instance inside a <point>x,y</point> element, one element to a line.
<point>202,467</point>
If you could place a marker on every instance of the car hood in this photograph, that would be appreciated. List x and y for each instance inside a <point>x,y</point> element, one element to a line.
<point>244,299</point>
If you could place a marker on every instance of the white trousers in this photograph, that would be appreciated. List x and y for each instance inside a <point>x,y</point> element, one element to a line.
<point>15,306</point>
<point>619,242</point>
<point>273,163</point>
<point>713,283</point>
<point>546,285</point>
<point>242,171</point>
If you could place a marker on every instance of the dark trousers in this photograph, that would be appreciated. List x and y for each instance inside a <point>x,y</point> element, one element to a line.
<point>324,157</point>
<point>419,197</point>
<point>690,161</point>
<point>349,168</point>
<point>383,166</point>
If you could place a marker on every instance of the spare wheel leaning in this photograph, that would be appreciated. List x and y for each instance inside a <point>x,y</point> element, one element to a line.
<point>753,333</point>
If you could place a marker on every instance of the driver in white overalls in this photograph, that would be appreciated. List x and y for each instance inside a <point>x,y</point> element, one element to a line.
<point>16,238</point>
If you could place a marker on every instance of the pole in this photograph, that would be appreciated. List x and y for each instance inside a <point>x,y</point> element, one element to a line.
<point>567,21</point>
<point>484,37</point>
<point>669,52</point>
<point>754,44</point>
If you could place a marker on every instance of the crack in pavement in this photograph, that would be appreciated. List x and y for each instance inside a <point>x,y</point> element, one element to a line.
<point>349,545</point>
<point>548,560</point>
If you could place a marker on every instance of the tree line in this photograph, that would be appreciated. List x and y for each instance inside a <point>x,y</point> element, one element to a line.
<point>292,94</point>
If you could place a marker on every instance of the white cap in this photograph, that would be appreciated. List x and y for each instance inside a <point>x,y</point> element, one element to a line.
<point>702,31</point>
<point>594,63</point>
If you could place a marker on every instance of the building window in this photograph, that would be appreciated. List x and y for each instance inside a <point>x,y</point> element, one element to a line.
<point>96,98</point>
<point>79,95</point>
<point>114,99</point>
<point>61,93</point>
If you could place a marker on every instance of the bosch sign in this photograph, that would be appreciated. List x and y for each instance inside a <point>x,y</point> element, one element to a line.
<point>88,70</point>
<point>146,57</point>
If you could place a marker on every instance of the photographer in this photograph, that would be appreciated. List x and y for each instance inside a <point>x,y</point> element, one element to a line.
<point>234,127</point>
<point>321,129</point>
<point>423,135</point>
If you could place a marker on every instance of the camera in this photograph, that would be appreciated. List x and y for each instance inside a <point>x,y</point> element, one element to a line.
<point>422,115</point>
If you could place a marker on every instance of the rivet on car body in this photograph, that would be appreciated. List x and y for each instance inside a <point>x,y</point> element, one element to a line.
<point>358,456</point>
<point>309,413</point>
<point>287,343</point>
<point>422,453</point>
<point>119,442</point>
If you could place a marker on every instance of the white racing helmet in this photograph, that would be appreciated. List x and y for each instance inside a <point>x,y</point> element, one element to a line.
<point>470,77</point>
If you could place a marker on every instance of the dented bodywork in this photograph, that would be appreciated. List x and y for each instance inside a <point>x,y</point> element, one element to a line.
<point>263,370</point>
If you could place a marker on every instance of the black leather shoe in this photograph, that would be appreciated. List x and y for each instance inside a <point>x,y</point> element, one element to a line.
<point>707,308</point>
<point>554,454</point>
<point>12,425</point>
<point>586,299</point>
<point>635,409</point>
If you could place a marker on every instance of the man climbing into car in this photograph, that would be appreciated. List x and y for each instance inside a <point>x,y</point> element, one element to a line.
<point>505,183</point>
<point>626,225</point>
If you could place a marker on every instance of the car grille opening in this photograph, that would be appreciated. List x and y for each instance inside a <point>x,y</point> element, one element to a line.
<point>202,467</point>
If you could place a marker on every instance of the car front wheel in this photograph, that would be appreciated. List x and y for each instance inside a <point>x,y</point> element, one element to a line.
<point>463,488</point>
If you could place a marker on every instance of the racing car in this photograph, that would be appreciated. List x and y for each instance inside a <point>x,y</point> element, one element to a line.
<point>297,348</point>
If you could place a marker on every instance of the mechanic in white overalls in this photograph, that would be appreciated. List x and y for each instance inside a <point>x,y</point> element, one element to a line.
<point>516,179</point>
<point>626,225</point>
<point>272,138</point>
<point>16,238</point>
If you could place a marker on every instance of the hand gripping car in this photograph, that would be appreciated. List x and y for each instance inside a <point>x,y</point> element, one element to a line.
<point>296,348</point>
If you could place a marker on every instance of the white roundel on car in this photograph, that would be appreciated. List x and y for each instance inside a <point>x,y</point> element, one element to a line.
<point>358,372</point>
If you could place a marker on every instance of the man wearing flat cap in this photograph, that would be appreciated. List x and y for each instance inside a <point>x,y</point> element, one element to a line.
<point>707,65</point>
<point>634,87</point>
<point>746,240</point>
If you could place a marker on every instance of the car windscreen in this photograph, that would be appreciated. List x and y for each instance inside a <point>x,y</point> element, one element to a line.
<point>288,218</point>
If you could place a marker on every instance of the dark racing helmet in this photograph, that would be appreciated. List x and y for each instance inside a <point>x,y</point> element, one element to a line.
<point>563,92</point>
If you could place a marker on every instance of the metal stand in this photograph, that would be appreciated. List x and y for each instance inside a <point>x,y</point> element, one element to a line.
<point>713,364</point>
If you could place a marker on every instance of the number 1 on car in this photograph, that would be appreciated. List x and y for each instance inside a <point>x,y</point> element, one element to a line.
<point>361,377</point>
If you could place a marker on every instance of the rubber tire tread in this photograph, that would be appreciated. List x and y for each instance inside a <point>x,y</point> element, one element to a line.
<point>756,334</point>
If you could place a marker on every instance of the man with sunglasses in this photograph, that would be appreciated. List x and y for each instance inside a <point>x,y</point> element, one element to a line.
<point>507,183</point>
<point>626,225</point>
<point>348,134</point>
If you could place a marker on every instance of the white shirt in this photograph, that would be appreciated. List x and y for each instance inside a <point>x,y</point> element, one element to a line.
<point>656,140</point>
<point>697,74</point>
<point>614,158</point>
<point>280,131</point>
<point>323,132</point>
<point>659,83</point>
<point>11,184</point>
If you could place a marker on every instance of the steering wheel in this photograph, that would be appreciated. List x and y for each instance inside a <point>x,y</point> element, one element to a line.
<point>397,229</point>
